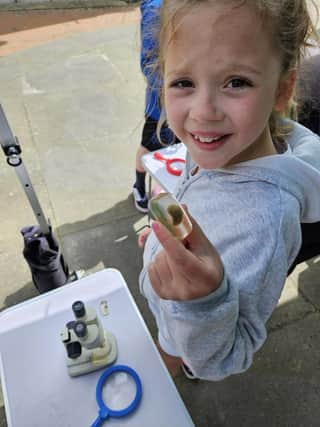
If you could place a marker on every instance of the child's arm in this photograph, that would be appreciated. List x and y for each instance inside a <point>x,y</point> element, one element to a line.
<point>216,322</point>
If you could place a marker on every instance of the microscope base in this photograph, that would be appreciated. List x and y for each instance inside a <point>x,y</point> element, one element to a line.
<point>93,359</point>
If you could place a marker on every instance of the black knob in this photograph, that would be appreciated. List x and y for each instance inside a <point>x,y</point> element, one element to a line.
<point>74,349</point>
<point>80,329</point>
<point>78,309</point>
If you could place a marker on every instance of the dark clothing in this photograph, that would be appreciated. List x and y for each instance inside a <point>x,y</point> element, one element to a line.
<point>308,94</point>
<point>150,10</point>
<point>149,135</point>
<point>310,243</point>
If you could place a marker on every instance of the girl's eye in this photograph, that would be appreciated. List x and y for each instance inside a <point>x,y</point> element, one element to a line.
<point>238,83</point>
<point>181,84</point>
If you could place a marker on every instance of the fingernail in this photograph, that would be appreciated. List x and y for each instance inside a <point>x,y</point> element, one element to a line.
<point>155,226</point>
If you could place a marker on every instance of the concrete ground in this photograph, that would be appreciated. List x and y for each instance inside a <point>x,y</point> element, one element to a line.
<point>73,94</point>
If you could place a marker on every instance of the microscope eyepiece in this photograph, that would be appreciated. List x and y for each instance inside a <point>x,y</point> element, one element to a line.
<point>78,309</point>
<point>80,329</point>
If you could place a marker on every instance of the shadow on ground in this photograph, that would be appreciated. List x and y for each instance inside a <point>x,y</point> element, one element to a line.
<point>104,240</point>
<point>309,282</point>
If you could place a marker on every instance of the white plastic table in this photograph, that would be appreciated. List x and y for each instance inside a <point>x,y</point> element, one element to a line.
<point>37,389</point>
<point>157,169</point>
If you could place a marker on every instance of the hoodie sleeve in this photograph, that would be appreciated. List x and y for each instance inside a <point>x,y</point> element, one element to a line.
<point>217,336</point>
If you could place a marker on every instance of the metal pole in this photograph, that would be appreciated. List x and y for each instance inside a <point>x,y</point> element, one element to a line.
<point>12,150</point>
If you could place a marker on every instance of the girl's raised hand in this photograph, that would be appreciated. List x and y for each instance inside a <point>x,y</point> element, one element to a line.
<point>185,270</point>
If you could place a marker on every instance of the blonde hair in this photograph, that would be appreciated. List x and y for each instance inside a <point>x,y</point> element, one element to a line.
<point>289,24</point>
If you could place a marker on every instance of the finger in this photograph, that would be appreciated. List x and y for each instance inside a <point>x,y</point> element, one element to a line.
<point>200,256</point>
<point>143,237</point>
<point>181,262</point>
<point>163,267</point>
<point>156,280</point>
<point>161,276</point>
<point>179,257</point>
<point>154,276</point>
<point>197,242</point>
<point>170,244</point>
<point>196,232</point>
<point>141,240</point>
<point>207,255</point>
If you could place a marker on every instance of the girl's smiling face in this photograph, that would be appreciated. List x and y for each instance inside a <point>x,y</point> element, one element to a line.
<point>222,79</point>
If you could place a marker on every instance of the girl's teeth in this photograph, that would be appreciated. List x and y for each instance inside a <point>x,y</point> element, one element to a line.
<point>207,139</point>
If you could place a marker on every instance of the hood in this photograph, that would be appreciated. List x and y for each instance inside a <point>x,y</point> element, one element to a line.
<point>297,170</point>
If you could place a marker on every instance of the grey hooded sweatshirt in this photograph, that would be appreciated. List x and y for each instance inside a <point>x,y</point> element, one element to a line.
<point>251,213</point>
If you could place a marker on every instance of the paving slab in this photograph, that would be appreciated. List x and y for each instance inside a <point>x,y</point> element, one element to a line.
<point>78,116</point>
<point>281,389</point>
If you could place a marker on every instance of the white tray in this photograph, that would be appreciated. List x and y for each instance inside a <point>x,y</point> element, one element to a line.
<point>37,389</point>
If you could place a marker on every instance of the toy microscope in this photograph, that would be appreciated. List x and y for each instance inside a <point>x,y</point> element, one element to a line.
<point>89,347</point>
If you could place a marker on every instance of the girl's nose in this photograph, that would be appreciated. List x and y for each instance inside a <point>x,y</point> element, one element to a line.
<point>205,107</point>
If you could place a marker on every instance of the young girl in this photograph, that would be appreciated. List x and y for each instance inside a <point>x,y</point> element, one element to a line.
<point>229,69</point>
